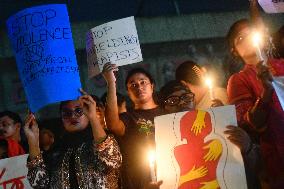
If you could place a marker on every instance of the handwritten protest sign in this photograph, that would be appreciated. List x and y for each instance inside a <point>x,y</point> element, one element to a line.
<point>272,6</point>
<point>13,173</point>
<point>192,151</point>
<point>115,42</point>
<point>42,43</point>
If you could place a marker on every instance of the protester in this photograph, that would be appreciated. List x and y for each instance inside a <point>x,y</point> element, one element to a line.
<point>10,148</point>
<point>46,139</point>
<point>11,129</point>
<point>191,75</point>
<point>86,158</point>
<point>175,97</point>
<point>136,126</point>
<point>257,104</point>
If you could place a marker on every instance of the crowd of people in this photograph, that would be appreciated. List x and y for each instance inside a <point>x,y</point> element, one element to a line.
<point>104,141</point>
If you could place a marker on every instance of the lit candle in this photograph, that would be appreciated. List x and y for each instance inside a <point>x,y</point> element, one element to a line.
<point>256,42</point>
<point>209,83</point>
<point>152,159</point>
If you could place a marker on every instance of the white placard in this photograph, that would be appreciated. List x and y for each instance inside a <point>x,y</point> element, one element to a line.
<point>272,6</point>
<point>116,42</point>
<point>13,172</point>
<point>193,152</point>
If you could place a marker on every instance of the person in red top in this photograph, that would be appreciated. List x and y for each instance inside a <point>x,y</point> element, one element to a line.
<point>10,148</point>
<point>257,105</point>
<point>10,134</point>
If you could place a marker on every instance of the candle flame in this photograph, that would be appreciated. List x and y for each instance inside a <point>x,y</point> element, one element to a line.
<point>209,82</point>
<point>152,158</point>
<point>256,38</point>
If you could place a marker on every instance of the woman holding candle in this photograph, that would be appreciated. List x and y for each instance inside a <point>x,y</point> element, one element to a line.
<point>257,105</point>
<point>134,127</point>
<point>193,77</point>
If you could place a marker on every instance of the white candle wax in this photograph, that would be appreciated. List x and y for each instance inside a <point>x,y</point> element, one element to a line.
<point>153,174</point>
<point>211,93</point>
<point>152,166</point>
<point>258,53</point>
<point>256,42</point>
<point>209,84</point>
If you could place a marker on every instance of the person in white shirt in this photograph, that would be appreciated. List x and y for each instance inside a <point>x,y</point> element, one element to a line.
<point>193,77</point>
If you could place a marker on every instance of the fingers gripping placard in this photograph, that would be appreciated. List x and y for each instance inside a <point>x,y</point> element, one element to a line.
<point>115,42</point>
<point>42,42</point>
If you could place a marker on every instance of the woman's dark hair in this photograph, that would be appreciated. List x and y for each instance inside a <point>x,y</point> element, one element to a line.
<point>278,38</point>
<point>98,101</point>
<point>139,70</point>
<point>234,31</point>
<point>14,116</point>
<point>169,88</point>
<point>189,71</point>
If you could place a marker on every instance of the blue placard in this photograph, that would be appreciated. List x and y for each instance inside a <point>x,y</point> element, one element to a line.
<point>42,43</point>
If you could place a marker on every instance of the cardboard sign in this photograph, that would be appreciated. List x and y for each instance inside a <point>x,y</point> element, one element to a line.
<point>278,85</point>
<point>272,6</point>
<point>116,42</point>
<point>193,152</point>
<point>13,173</point>
<point>43,46</point>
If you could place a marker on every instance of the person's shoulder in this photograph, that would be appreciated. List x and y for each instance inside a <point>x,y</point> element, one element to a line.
<point>236,76</point>
<point>237,79</point>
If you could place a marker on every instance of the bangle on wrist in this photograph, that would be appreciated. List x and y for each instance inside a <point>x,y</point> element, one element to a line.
<point>104,144</point>
<point>101,140</point>
<point>34,161</point>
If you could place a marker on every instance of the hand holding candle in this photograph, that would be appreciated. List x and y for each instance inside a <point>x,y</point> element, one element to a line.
<point>152,161</point>
<point>256,38</point>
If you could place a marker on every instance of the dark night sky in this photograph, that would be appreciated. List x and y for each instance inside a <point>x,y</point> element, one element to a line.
<point>86,10</point>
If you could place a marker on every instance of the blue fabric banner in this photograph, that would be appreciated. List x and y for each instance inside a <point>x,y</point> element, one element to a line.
<point>42,42</point>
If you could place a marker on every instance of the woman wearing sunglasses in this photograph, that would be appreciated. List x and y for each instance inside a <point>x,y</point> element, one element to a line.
<point>86,156</point>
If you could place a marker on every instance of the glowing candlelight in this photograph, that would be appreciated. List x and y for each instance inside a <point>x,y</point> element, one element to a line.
<point>209,83</point>
<point>152,160</point>
<point>256,38</point>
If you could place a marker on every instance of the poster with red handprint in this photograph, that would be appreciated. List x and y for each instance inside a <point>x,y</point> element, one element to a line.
<point>13,173</point>
<point>192,151</point>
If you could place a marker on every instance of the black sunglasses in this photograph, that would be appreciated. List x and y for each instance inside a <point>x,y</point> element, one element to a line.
<point>67,113</point>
